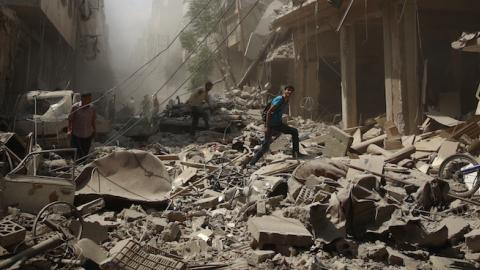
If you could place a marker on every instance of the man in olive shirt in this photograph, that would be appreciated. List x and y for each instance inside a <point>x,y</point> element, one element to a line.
<point>196,102</point>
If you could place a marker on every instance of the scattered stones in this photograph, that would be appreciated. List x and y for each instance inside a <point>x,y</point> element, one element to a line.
<point>130,215</point>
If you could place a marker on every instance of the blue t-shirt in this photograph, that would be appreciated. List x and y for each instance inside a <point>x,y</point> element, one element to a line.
<point>277,114</point>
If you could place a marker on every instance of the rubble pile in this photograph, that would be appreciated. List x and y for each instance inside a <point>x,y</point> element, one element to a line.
<point>248,98</point>
<point>366,197</point>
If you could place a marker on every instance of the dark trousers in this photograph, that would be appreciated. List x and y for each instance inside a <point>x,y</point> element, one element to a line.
<point>198,113</point>
<point>275,131</point>
<point>82,145</point>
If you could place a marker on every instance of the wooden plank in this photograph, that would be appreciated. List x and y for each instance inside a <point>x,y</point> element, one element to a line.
<point>168,157</point>
<point>430,145</point>
<point>199,165</point>
<point>377,150</point>
<point>362,147</point>
<point>401,154</point>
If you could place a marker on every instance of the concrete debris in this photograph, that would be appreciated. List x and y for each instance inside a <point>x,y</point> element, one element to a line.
<point>356,201</point>
<point>472,239</point>
<point>260,256</point>
<point>278,231</point>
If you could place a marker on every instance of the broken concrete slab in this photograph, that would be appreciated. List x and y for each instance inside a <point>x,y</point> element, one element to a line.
<point>158,223</point>
<point>373,251</point>
<point>337,143</point>
<point>259,256</point>
<point>457,228</point>
<point>324,227</point>
<point>447,149</point>
<point>472,239</point>
<point>362,147</point>
<point>397,258</point>
<point>88,249</point>
<point>171,233</point>
<point>131,215</point>
<point>369,163</point>
<point>274,230</point>
<point>207,203</point>
<point>442,263</point>
<point>178,216</point>
<point>432,144</point>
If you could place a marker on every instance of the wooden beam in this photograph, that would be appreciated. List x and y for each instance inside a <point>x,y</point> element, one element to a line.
<point>349,76</point>
<point>469,6</point>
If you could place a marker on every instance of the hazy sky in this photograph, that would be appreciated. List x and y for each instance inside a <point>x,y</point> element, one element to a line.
<point>126,20</point>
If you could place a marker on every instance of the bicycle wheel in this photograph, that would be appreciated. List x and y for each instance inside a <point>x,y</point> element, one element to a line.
<point>462,185</point>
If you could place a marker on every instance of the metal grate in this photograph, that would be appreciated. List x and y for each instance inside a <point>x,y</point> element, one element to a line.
<point>133,257</point>
<point>305,196</point>
<point>11,233</point>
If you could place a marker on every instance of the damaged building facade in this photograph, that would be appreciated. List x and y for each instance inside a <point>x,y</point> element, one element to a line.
<point>50,45</point>
<point>365,58</point>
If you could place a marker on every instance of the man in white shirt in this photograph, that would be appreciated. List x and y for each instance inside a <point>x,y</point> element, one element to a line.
<point>81,125</point>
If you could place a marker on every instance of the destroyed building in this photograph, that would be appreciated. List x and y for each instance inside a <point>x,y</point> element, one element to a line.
<point>51,45</point>
<point>412,68</point>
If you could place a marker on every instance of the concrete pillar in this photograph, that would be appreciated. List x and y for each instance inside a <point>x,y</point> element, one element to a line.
<point>402,89</point>
<point>349,76</point>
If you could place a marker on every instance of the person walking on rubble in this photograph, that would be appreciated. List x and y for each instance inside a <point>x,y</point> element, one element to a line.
<point>274,125</point>
<point>197,108</point>
<point>81,125</point>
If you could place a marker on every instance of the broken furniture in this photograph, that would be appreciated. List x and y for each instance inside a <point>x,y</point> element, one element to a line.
<point>26,189</point>
<point>12,150</point>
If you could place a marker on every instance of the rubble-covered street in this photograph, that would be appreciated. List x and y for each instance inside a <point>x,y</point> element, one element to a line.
<point>348,204</point>
<point>239,134</point>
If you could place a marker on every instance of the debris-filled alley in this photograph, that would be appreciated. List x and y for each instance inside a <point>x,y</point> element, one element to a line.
<point>256,134</point>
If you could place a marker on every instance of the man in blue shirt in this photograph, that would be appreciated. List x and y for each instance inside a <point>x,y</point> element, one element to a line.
<point>275,126</point>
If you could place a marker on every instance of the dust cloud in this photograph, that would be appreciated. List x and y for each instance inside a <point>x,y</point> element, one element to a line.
<point>138,30</point>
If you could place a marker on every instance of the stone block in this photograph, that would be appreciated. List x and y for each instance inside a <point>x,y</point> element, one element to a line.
<point>158,223</point>
<point>278,231</point>
<point>260,256</point>
<point>131,215</point>
<point>176,216</point>
<point>457,227</point>
<point>207,203</point>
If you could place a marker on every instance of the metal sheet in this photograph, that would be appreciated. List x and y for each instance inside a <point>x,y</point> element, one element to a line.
<point>134,175</point>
